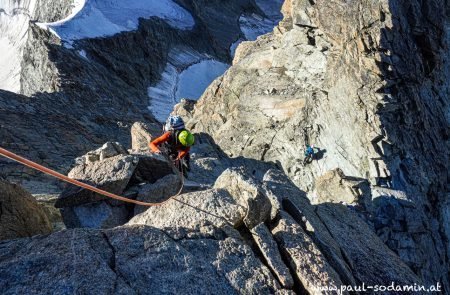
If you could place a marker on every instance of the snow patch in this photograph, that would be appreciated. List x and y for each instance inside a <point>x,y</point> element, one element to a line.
<point>101,18</point>
<point>193,81</point>
<point>162,95</point>
<point>187,74</point>
<point>14,23</point>
<point>254,24</point>
<point>82,53</point>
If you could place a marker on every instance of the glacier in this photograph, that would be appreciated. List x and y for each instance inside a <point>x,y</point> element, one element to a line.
<point>101,18</point>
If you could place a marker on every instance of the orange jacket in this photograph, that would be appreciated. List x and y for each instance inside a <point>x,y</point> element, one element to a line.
<point>165,138</point>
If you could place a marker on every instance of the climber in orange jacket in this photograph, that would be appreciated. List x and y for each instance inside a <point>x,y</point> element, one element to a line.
<point>177,140</point>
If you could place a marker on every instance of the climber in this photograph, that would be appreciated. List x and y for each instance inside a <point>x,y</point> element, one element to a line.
<point>310,154</point>
<point>177,141</point>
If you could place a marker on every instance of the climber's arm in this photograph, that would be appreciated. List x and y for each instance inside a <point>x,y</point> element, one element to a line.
<point>158,141</point>
<point>183,153</point>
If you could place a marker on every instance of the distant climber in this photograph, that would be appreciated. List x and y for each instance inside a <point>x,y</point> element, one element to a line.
<point>310,154</point>
<point>177,141</point>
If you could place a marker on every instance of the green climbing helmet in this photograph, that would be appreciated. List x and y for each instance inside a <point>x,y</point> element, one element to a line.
<point>186,138</point>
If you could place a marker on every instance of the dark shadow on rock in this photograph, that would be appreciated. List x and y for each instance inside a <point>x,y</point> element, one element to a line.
<point>414,64</point>
<point>253,167</point>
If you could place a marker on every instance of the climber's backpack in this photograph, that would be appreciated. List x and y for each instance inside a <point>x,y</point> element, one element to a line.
<point>174,123</point>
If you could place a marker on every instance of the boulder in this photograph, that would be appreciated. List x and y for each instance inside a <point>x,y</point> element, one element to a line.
<point>269,249</point>
<point>20,214</point>
<point>247,194</point>
<point>108,150</point>
<point>310,265</point>
<point>159,191</point>
<point>331,82</point>
<point>291,199</point>
<point>142,134</point>
<point>334,187</point>
<point>113,170</point>
<point>133,259</point>
<point>111,174</point>
<point>213,206</point>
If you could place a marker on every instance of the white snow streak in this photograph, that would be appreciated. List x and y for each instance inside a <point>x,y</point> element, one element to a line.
<point>14,22</point>
<point>101,18</point>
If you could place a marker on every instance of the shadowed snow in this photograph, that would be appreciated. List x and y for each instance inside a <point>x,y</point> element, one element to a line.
<point>178,81</point>
<point>194,80</point>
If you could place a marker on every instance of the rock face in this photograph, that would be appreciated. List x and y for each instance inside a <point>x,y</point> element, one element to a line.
<point>205,237</point>
<point>305,258</point>
<point>334,187</point>
<point>365,86</point>
<point>293,232</point>
<point>20,214</point>
<point>247,194</point>
<point>137,259</point>
<point>142,134</point>
<point>269,249</point>
<point>144,177</point>
<point>103,80</point>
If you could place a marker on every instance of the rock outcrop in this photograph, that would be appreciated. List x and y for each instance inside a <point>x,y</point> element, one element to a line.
<point>82,94</point>
<point>212,234</point>
<point>367,87</point>
<point>133,259</point>
<point>20,215</point>
<point>144,177</point>
<point>142,134</point>
<point>294,231</point>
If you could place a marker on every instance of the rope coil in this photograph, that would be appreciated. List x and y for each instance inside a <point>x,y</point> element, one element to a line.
<point>62,177</point>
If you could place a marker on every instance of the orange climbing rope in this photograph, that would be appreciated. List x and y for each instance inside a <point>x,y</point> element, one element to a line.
<point>62,177</point>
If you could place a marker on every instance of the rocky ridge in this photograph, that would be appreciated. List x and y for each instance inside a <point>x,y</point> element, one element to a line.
<point>367,87</point>
<point>219,237</point>
<point>372,209</point>
<point>107,76</point>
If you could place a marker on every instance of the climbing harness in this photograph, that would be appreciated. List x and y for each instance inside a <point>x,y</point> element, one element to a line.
<point>62,177</point>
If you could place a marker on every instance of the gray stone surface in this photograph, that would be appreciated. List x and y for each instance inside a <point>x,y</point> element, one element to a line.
<point>334,187</point>
<point>269,249</point>
<point>131,260</point>
<point>111,168</point>
<point>71,104</point>
<point>142,134</point>
<point>310,265</point>
<point>371,260</point>
<point>247,194</point>
<point>111,174</point>
<point>367,86</point>
<point>164,188</point>
<point>20,214</point>
<point>294,201</point>
<point>213,206</point>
